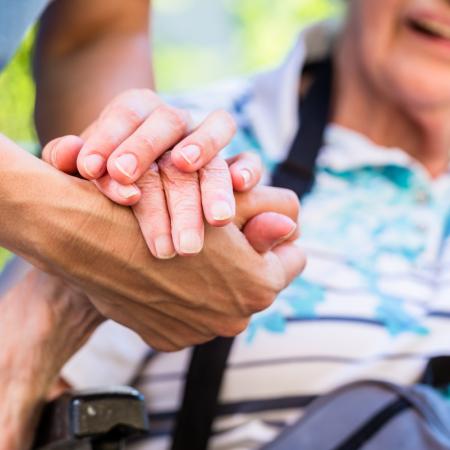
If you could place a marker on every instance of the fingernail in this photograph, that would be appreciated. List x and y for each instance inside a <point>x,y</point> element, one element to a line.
<point>246,176</point>
<point>221,211</point>
<point>288,235</point>
<point>164,247</point>
<point>93,165</point>
<point>190,242</point>
<point>190,153</point>
<point>127,164</point>
<point>127,191</point>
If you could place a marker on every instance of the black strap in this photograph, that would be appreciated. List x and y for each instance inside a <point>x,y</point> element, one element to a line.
<point>201,392</point>
<point>297,171</point>
<point>208,362</point>
<point>437,372</point>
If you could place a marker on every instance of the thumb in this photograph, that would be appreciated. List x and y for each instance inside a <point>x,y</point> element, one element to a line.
<point>267,230</point>
<point>262,199</point>
<point>62,153</point>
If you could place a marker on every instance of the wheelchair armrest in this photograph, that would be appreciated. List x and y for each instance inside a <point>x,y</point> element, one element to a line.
<point>92,420</point>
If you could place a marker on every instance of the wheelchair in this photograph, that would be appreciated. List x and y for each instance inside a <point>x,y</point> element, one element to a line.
<point>92,420</point>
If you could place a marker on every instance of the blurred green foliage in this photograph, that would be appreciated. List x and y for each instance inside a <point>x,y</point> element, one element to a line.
<point>17,95</point>
<point>261,33</point>
<point>4,255</point>
<point>267,28</point>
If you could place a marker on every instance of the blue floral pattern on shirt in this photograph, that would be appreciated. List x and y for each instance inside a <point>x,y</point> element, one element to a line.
<point>365,214</point>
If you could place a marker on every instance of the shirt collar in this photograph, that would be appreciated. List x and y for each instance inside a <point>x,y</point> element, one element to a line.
<point>345,149</point>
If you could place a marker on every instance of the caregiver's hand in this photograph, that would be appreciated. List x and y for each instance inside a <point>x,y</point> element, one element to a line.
<point>65,226</point>
<point>42,322</point>
<point>215,293</point>
<point>121,148</point>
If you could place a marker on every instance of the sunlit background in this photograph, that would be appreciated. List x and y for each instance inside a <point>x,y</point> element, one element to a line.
<point>195,42</point>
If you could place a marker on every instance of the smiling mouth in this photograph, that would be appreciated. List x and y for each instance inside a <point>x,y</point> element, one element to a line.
<point>431,28</point>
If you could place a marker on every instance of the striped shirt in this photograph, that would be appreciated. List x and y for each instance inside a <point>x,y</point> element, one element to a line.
<point>373,302</point>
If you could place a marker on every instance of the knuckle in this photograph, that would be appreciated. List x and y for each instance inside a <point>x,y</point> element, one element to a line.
<point>201,340</point>
<point>127,114</point>
<point>161,345</point>
<point>209,142</point>
<point>218,132</point>
<point>146,95</point>
<point>217,164</point>
<point>278,282</point>
<point>187,117</point>
<point>183,208</point>
<point>136,96</point>
<point>165,161</point>
<point>263,302</point>
<point>266,287</point>
<point>227,119</point>
<point>176,180</point>
<point>175,120</point>
<point>150,181</point>
<point>233,327</point>
<point>188,182</point>
<point>141,100</point>
<point>144,144</point>
<point>175,343</point>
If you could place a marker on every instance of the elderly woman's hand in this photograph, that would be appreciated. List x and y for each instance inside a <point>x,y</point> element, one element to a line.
<point>122,152</point>
<point>42,322</point>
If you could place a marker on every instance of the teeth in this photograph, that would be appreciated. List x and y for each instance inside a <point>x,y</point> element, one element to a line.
<point>435,27</point>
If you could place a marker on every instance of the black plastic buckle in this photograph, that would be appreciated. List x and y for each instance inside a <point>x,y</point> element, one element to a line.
<point>92,420</point>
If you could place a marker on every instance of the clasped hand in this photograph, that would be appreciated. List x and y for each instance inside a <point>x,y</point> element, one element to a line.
<point>247,259</point>
<point>126,153</point>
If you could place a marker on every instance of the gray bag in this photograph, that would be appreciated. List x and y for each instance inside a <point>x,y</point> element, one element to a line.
<point>372,415</point>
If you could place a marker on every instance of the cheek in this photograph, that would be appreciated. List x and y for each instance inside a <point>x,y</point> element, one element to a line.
<point>373,26</point>
<point>415,80</point>
<point>390,59</point>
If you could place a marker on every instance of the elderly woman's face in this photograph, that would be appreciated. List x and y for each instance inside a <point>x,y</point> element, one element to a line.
<point>403,46</point>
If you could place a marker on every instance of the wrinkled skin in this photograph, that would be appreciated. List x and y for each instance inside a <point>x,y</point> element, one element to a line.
<point>43,323</point>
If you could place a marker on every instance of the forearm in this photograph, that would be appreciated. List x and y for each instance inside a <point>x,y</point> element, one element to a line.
<point>54,322</point>
<point>42,210</point>
<point>78,72</point>
<point>17,181</point>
